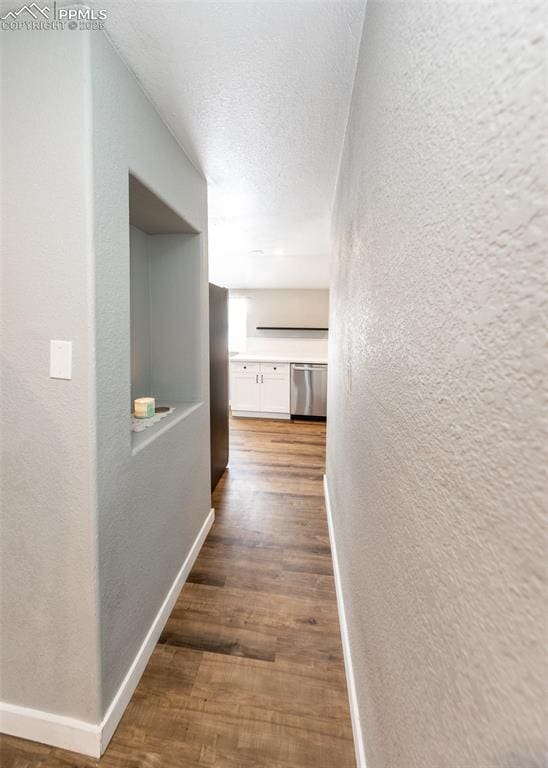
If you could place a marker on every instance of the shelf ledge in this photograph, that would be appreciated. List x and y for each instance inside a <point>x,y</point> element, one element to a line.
<point>140,440</point>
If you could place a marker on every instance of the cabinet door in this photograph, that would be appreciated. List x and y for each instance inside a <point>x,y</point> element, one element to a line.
<point>246,391</point>
<point>274,388</point>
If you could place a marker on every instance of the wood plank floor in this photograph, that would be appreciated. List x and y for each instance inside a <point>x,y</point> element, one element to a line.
<point>248,672</point>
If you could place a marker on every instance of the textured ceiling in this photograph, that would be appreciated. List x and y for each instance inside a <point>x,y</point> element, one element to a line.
<point>258,94</point>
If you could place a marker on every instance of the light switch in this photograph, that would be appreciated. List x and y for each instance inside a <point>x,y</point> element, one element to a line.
<point>60,359</point>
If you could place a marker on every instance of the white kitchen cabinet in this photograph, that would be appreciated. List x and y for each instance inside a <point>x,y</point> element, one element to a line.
<point>245,393</point>
<point>274,386</point>
<point>260,389</point>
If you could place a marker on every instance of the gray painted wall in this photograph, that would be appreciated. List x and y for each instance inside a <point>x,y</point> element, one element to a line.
<point>48,649</point>
<point>151,505</point>
<point>437,454</point>
<point>141,376</point>
<point>165,295</point>
<point>93,537</point>
<point>176,325</point>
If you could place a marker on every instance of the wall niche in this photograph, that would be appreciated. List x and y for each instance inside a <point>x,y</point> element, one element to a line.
<point>165,331</point>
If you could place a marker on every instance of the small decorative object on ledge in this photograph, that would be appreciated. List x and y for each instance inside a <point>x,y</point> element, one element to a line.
<point>140,423</point>
<point>144,407</point>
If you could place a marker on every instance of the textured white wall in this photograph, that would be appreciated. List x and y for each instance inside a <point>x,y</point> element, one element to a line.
<point>437,454</point>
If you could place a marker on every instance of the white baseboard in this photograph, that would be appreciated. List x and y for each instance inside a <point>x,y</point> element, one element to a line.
<point>261,415</point>
<point>47,728</point>
<point>126,689</point>
<point>350,680</point>
<point>92,738</point>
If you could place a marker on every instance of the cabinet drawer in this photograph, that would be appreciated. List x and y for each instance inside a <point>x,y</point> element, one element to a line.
<point>247,367</point>
<point>274,367</point>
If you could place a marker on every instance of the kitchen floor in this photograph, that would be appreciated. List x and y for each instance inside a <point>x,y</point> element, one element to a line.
<point>248,672</point>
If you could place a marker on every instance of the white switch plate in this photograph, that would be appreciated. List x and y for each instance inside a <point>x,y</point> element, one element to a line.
<point>60,359</point>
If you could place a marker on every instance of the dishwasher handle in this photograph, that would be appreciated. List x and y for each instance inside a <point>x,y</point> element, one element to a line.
<point>313,367</point>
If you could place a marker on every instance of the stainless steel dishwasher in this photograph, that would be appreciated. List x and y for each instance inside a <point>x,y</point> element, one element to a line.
<point>308,389</point>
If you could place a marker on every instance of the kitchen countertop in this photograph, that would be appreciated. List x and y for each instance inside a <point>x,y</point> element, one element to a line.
<point>243,357</point>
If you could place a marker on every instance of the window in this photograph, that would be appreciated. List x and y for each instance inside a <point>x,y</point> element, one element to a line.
<point>237,323</point>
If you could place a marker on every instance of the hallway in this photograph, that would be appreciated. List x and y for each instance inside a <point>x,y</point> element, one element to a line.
<point>216,217</point>
<point>249,669</point>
